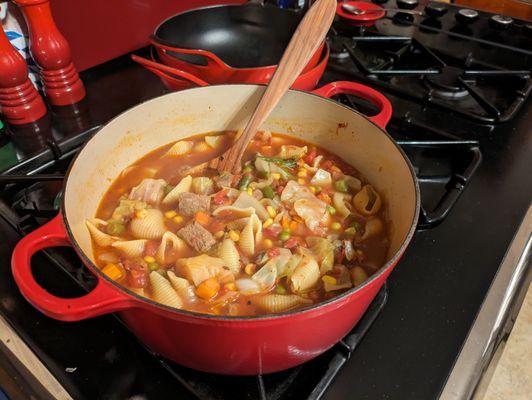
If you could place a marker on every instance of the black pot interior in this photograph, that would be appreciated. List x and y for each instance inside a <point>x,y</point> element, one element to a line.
<point>243,36</point>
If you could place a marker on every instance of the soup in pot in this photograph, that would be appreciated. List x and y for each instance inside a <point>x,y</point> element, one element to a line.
<point>297,226</point>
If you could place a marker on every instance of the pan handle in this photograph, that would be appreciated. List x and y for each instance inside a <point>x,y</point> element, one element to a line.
<point>102,299</point>
<point>165,72</point>
<point>345,87</point>
<point>209,57</point>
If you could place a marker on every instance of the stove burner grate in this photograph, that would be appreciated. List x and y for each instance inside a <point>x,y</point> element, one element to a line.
<point>447,84</point>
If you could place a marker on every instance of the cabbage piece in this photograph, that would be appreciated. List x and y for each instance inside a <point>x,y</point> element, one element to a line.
<point>266,276</point>
<point>127,208</point>
<point>244,200</point>
<point>213,141</point>
<point>352,183</point>
<point>149,190</point>
<point>280,261</point>
<point>321,178</point>
<point>314,213</point>
<point>202,185</point>
<point>197,269</point>
<point>323,251</point>
<point>247,286</point>
<point>291,151</point>
<point>294,191</point>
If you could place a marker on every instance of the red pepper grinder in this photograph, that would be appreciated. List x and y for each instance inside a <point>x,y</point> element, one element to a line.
<point>19,101</point>
<point>51,53</point>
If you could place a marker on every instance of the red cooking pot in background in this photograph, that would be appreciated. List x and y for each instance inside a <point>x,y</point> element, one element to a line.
<point>176,79</point>
<point>228,43</point>
<point>225,344</point>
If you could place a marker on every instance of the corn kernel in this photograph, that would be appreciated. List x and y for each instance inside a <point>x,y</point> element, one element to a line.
<point>177,219</point>
<point>230,286</point>
<point>313,189</point>
<point>250,191</point>
<point>267,223</point>
<point>234,236</point>
<point>328,279</point>
<point>293,226</point>
<point>271,211</point>
<point>219,234</point>
<point>250,269</point>
<point>302,173</point>
<point>149,259</point>
<point>268,244</point>
<point>301,181</point>
<point>170,214</point>
<point>276,176</point>
<point>336,226</point>
<point>141,213</point>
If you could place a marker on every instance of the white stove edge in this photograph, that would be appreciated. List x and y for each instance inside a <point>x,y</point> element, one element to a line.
<point>492,323</point>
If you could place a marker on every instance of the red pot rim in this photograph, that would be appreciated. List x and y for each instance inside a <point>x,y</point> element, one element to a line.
<point>363,5</point>
<point>277,316</point>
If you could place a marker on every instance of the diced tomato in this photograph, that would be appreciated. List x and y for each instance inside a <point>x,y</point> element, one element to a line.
<point>327,164</point>
<point>138,279</point>
<point>219,197</point>
<point>279,189</point>
<point>324,197</point>
<point>216,225</point>
<point>236,179</point>
<point>273,252</point>
<point>291,243</point>
<point>131,265</point>
<point>309,158</point>
<point>272,231</point>
<point>151,248</point>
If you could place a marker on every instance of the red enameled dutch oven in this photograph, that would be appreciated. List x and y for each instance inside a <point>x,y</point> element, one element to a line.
<point>221,344</point>
<point>368,19</point>
<point>176,79</point>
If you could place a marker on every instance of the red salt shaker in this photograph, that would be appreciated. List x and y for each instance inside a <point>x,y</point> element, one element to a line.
<point>20,103</point>
<point>51,53</point>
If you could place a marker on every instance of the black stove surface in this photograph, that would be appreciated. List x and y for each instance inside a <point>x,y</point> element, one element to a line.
<point>474,177</point>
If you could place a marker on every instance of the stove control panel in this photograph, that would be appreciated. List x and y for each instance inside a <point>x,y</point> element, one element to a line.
<point>500,22</point>
<point>466,16</point>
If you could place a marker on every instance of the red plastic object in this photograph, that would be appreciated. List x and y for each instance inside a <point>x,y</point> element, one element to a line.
<point>364,19</point>
<point>345,87</point>
<point>216,71</point>
<point>51,52</point>
<point>19,101</point>
<point>176,79</point>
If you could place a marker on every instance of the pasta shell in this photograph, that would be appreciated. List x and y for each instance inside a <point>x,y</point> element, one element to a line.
<point>244,200</point>
<point>340,202</point>
<point>280,302</point>
<point>139,291</point>
<point>163,292</point>
<point>183,287</point>
<point>169,242</point>
<point>131,248</point>
<point>251,234</point>
<point>305,276</point>
<point>150,226</point>
<point>233,212</point>
<point>237,224</point>
<point>229,254</point>
<point>373,227</point>
<point>100,238</point>
<point>184,185</point>
<point>180,148</point>
<point>367,201</point>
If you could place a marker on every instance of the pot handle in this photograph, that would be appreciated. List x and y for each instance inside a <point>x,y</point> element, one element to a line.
<point>373,96</point>
<point>185,79</point>
<point>102,299</point>
<point>210,58</point>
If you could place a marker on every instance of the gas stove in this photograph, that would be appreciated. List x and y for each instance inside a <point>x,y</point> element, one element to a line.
<point>459,83</point>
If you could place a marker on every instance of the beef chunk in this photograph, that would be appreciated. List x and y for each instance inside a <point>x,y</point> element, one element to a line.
<point>224,180</point>
<point>190,203</point>
<point>197,236</point>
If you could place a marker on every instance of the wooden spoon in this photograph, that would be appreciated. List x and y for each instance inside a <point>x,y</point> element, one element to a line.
<point>307,38</point>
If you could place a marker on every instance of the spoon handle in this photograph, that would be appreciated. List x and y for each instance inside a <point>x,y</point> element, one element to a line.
<point>304,43</point>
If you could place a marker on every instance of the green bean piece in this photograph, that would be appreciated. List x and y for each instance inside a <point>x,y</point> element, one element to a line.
<point>331,210</point>
<point>268,192</point>
<point>244,182</point>
<point>341,186</point>
<point>115,228</point>
<point>247,168</point>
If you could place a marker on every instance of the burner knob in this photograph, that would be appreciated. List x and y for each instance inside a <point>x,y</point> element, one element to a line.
<point>500,22</point>
<point>436,9</point>
<point>407,4</point>
<point>466,16</point>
